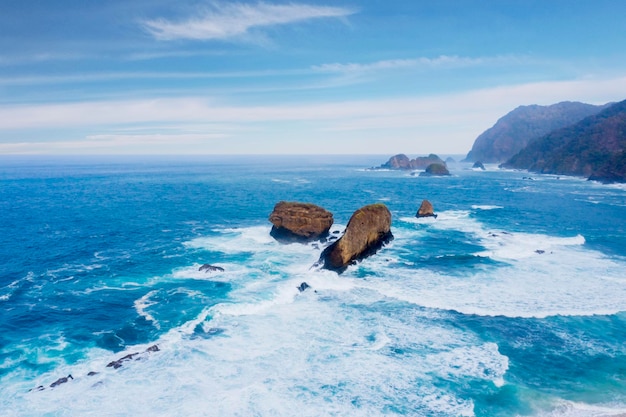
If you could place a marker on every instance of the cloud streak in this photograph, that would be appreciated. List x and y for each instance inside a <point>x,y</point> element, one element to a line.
<point>228,21</point>
<point>450,121</point>
<point>442,61</point>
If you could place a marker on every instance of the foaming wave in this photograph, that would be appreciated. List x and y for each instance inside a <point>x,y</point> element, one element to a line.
<point>250,239</point>
<point>485,207</point>
<point>311,356</point>
<point>537,275</point>
<point>565,408</point>
<point>480,362</point>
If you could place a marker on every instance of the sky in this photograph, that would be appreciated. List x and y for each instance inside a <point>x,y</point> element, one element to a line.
<point>293,77</point>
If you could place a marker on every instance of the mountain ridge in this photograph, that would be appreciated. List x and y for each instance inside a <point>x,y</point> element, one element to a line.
<point>595,147</point>
<point>515,130</point>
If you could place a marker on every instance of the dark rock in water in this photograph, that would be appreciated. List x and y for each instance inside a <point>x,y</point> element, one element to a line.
<point>303,286</point>
<point>61,381</point>
<point>478,165</point>
<point>426,210</point>
<point>118,363</point>
<point>92,373</point>
<point>367,231</point>
<point>435,170</point>
<point>540,251</point>
<point>210,268</point>
<point>299,222</point>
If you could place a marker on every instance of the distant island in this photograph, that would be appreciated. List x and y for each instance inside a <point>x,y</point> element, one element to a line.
<point>401,161</point>
<point>514,131</point>
<point>432,165</point>
<point>595,148</point>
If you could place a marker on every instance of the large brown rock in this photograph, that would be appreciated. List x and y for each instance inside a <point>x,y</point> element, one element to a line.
<point>299,222</point>
<point>426,210</point>
<point>367,231</point>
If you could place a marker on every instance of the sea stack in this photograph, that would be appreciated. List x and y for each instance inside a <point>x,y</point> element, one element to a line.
<point>367,231</point>
<point>435,170</point>
<point>426,210</point>
<point>299,222</point>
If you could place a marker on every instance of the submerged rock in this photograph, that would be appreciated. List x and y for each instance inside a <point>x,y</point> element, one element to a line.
<point>118,363</point>
<point>367,231</point>
<point>61,381</point>
<point>303,286</point>
<point>299,222</point>
<point>211,268</point>
<point>426,210</point>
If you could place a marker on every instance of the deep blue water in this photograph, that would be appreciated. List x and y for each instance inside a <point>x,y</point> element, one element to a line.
<point>511,302</point>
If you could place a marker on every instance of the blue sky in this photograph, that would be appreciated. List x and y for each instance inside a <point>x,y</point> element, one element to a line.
<point>276,77</point>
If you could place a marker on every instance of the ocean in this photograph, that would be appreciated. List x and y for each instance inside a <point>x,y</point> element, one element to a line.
<point>512,302</point>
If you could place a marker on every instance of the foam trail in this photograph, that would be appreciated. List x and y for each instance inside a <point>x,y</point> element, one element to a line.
<point>539,275</point>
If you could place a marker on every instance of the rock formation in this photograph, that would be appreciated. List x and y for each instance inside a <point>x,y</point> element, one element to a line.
<point>478,165</point>
<point>435,170</point>
<point>367,231</point>
<point>426,210</point>
<point>401,161</point>
<point>211,268</point>
<point>299,222</point>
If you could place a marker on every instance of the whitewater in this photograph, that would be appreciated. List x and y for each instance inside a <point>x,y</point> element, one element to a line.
<point>510,303</point>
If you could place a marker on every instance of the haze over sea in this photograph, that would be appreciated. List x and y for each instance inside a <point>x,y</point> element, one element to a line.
<point>510,302</point>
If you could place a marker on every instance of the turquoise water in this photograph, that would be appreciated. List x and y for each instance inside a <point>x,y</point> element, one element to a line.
<point>511,302</point>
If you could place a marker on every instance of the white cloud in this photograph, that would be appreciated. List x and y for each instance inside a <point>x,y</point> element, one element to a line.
<point>439,123</point>
<point>442,61</point>
<point>118,144</point>
<point>231,20</point>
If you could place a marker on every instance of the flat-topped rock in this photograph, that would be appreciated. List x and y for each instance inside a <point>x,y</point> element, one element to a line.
<point>299,222</point>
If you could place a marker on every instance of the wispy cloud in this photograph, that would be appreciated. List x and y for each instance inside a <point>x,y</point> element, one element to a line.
<point>233,20</point>
<point>442,61</point>
<point>438,123</point>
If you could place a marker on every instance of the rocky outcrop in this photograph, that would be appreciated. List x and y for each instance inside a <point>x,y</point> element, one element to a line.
<point>210,268</point>
<point>478,165</point>
<point>426,210</point>
<point>435,170</point>
<point>401,161</point>
<point>118,362</point>
<point>299,222</point>
<point>367,231</point>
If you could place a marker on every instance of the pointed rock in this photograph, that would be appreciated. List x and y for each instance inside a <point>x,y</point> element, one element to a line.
<point>426,210</point>
<point>367,231</point>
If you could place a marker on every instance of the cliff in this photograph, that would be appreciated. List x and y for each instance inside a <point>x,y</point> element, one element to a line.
<point>514,131</point>
<point>594,147</point>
